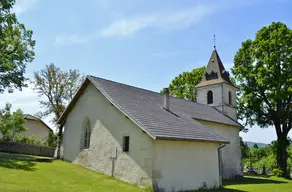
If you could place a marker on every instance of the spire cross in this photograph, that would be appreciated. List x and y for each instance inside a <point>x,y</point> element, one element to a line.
<point>214,41</point>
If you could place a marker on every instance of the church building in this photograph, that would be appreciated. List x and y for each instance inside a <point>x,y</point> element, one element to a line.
<point>151,139</point>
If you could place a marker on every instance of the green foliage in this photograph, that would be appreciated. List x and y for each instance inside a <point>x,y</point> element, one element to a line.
<point>255,146</point>
<point>51,141</point>
<point>183,85</point>
<point>277,172</point>
<point>256,66</point>
<point>12,127</point>
<point>263,69</point>
<point>244,149</point>
<point>11,124</point>
<point>16,48</point>
<point>27,140</point>
<point>266,158</point>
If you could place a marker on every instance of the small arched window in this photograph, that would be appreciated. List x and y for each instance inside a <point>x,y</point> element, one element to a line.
<point>86,132</point>
<point>229,98</point>
<point>209,97</point>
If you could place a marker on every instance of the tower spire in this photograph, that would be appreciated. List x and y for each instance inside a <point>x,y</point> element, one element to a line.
<point>214,41</point>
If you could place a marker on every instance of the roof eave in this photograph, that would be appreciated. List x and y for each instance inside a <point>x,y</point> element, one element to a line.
<point>198,86</point>
<point>191,139</point>
<point>235,125</point>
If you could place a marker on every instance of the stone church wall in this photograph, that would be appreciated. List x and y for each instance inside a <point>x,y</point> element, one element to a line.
<point>108,127</point>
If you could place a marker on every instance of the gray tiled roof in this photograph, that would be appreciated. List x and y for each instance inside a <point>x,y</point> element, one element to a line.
<point>145,109</point>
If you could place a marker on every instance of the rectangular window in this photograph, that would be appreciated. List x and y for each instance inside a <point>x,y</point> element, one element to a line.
<point>126,143</point>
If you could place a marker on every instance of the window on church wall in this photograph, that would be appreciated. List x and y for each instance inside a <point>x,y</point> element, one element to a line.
<point>86,132</point>
<point>209,97</point>
<point>126,143</point>
<point>229,98</point>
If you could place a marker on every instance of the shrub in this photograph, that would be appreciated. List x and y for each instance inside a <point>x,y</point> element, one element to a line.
<point>26,140</point>
<point>11,124</point>
<point>32,140</point>
<point>277,172</point>
<point>51,141</point>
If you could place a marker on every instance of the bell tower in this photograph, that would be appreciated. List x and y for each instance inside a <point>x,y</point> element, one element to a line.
<point>216,88</point>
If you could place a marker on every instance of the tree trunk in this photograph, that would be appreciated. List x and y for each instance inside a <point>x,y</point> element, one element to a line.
<point>59,142</point>
<point>282,155</point>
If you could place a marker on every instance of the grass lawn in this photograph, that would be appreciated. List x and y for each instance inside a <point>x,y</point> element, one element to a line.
<point>27,176</point>
<point>259,184</point>
<point>21,156</point>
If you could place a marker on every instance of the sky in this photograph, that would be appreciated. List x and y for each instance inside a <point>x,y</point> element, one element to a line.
<point>142,43</point>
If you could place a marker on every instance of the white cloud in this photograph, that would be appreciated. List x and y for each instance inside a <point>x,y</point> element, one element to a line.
<point>72,39</point>
<point>26,100</point>
<point>127,27</point>
<point>22,6</point>
<point>170,20</point>
<point>167,20</point>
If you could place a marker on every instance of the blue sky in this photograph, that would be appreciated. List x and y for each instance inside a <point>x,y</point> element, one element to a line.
<point>141,43</point>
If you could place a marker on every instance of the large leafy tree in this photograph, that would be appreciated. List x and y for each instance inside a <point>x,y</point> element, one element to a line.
<point>57,87</point>
<point>11,124</point>
<point>263,68</point>
<point>16,48</point>
<point>244,149</point>
<point>183,85</point>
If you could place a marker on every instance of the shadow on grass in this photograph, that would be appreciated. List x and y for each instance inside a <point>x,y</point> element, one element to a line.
<point>14,161</point>
<point>253,180</point>
<point>17,164</point>
<point>218,190</point>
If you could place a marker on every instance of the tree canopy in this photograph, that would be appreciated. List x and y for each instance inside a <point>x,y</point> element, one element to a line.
<point>244,149</point>
<point>255,146</point>
<point>264,159</point>
<point>16,49</point>
<point>263,70</point>
<point>183,85</point>
<point>11,124</point>
<point>57,87</point>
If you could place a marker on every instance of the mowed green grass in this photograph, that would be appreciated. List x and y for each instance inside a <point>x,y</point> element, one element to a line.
<point>27,176</point>
<point>259,184</point>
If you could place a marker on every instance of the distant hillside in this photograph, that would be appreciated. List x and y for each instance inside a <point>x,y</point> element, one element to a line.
<point>251,144</point>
